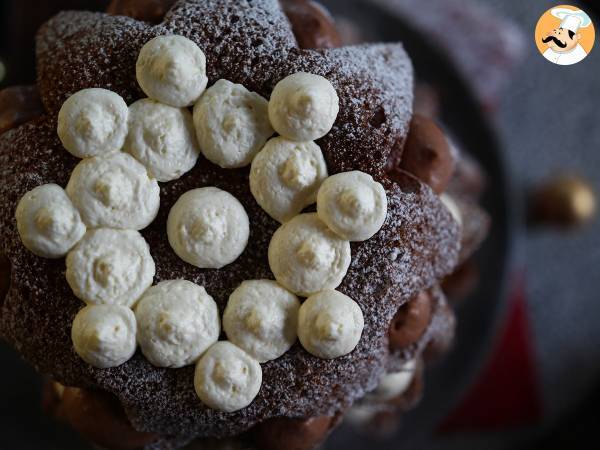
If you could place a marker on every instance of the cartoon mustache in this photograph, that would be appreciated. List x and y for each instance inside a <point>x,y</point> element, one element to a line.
<point>556,41</point>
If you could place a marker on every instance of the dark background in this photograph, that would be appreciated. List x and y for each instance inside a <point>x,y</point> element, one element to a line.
<point>549,122</point>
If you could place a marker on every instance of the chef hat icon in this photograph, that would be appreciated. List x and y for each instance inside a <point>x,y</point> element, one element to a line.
<point>572,20</point>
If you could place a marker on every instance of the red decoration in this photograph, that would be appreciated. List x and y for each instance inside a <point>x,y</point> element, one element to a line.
<point>507,392</point>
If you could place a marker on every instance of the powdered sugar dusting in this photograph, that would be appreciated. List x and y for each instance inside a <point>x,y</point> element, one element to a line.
<point>417,245</point>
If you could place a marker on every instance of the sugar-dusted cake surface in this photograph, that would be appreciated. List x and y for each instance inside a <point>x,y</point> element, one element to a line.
<point>248,42</point>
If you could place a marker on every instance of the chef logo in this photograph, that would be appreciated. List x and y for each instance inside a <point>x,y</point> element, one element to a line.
<point>565,35</point>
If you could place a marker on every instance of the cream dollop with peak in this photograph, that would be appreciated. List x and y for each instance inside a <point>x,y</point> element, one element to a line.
<point>162,138</point>
<point>208,228</point>
<point>232,124</point>
<point>330,324</point>
<point>261,318</point>
<point>177,321</point>
<point>360,414</point>
<point>93,122</point>
<point>307,257</point>
<point>451,206</point>
<point>393,384</point>
<point>303,107</point>
<point>172,70</point>
<point>227,378</point>
<point>104,335</point>
<point>114,191</point>
<point>111,267</point>
<point>285,177</point>
<point>352,204</point>
<point>48,223</point>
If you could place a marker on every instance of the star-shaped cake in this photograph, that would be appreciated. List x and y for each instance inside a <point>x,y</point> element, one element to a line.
<point>251,43</point>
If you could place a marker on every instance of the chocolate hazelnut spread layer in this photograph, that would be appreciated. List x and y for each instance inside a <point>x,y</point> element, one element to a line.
<point>18,105</point>
<point>312,24</point>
